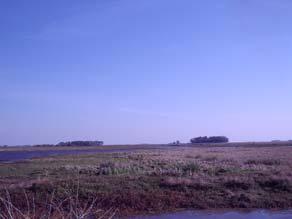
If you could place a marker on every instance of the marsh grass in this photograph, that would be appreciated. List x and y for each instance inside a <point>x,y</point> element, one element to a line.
<point>160,180</point>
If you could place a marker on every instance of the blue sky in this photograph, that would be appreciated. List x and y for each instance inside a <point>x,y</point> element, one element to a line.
<point>147,71</point>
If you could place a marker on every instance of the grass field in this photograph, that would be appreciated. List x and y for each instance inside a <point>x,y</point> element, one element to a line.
<point>147,181</point>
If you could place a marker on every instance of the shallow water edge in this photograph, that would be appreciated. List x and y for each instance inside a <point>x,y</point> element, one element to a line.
<point>255,214</point>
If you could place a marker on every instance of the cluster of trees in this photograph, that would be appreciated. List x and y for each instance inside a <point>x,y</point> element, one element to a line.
<point>176,143</point>
<point>81,143</point>
<point>43,145</point>
<point>211,139</point>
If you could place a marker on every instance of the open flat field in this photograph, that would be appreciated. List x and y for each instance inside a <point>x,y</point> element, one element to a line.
<point>148,181</point>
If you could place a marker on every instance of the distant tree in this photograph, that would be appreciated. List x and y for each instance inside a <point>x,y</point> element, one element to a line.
<point>275,141</point>
<point>43,145</point>
<point>175,143</point>
<point>81,143</point>
<point>211,139</point>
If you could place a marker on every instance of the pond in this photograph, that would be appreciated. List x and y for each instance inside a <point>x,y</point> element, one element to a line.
<point>13,156</point>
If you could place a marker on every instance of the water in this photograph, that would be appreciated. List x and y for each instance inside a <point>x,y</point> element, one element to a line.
<point>13,156</point>
<point>258,214</point>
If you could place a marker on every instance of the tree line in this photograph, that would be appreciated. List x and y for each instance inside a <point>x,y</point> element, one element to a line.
<point>211,139</point>
<point>81,143</point>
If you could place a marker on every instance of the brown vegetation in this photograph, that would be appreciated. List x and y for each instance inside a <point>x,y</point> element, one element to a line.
<point>145,181</point>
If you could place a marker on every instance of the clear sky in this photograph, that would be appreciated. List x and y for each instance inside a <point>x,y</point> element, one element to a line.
<point>145,71</point>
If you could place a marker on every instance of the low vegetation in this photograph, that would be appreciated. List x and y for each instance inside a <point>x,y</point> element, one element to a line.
<point>147,181</point>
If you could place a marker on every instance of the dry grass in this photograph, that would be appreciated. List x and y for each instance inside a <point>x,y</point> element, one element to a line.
<point>70,207</point>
